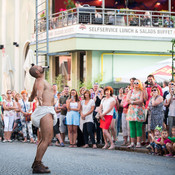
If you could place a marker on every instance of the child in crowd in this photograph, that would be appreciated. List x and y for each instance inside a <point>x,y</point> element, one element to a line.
<point>171,146</point>
<point>157,135</point>
<point>160,148</point>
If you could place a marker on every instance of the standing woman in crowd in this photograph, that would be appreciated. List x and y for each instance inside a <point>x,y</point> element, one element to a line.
<point>136,113</point>
<point>26,109</point>
<point>120,110</point>
<point>125,123</point>
<point>106,115</point>
<point>18,112</point>
<point>87,107</point>
<point>156,109</point>
<point>73,116</point>
<point>112,126</point>
<point>99,95</point>
<point>9,116</point>
<point>82,91</point>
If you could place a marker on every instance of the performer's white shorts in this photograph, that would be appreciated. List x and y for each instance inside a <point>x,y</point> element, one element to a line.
<point>40,112</point>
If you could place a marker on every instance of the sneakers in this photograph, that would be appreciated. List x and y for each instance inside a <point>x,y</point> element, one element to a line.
<point>4,141</point>
<point>62,144</point>
<point>148,147</point>
<point>138,145</point>
<point>131,145</point>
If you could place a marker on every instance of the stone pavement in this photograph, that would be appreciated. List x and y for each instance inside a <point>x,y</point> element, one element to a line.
<point>16,159</point>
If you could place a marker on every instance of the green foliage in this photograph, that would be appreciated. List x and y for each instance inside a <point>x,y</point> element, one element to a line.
<point>86,84</point>
<point>47,77</point>
<point>89,84</point>
<point>69,4</point>
<point>60,81</point>
<point>98,79</point>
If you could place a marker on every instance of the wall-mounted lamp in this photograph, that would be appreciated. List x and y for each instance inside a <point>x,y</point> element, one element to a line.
<point>1,46</point>
<point>16,44</point>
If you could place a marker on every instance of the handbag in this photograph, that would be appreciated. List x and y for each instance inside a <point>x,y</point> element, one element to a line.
<point>28,116</point>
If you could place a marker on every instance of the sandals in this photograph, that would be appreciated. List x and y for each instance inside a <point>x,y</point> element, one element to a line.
<point>86,146</point>
<point>105,147</point>
<point>112,147</point>
<point>168,155</point>
<point>124,144</point>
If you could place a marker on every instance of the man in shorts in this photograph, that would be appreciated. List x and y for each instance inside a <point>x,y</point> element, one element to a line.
<point>44,116</point>
<point>62,106</point>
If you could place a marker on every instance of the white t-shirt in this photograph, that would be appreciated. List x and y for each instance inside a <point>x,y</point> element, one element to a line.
<point>86,108</point>
<point>171,106</point>
<point>106,105</point>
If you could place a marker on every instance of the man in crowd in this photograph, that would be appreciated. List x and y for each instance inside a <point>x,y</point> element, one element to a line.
<point>62,106</point>
<point>95,89</point>
<point>44,115</point>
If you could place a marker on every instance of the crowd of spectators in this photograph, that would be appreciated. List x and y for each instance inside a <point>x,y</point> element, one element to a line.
<point>143,112</point>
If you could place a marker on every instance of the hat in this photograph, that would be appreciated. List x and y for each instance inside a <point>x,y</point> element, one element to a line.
<point>24,92</point>
<point>158,128</point>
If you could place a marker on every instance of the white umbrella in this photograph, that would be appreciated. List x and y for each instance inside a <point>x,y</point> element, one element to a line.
<point>29,80</point>
<point>8,74</point>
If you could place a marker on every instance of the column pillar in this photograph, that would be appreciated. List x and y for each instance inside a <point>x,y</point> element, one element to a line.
<point>88,66</point>
<point>75,69</point>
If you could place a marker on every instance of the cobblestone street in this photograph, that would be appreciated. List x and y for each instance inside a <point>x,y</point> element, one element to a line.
<point>16,159</point>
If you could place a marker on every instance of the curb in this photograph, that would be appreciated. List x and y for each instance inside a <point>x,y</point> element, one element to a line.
<point>122,148</point>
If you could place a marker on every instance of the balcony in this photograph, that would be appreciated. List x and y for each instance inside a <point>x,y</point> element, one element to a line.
<point>115,17</point>
<point>108,23</point>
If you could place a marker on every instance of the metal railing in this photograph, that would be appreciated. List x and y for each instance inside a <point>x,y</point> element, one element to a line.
<point>99,16</point>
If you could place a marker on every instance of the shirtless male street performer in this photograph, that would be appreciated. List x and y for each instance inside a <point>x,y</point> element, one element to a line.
<point>44,116</point>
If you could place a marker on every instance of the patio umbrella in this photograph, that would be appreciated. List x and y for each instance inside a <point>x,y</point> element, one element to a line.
<point>29,80</point>
<point>161,71</point>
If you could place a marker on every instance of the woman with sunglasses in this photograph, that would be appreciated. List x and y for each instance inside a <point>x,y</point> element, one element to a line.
<point>156,108</point>
<point>9,116</point>
<point>135,114</point>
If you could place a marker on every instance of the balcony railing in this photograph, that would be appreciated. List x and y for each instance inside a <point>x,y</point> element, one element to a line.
<point>117,17</point>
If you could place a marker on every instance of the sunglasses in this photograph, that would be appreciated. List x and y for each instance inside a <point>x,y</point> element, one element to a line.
<point>154,90</point>
<point>9,93</point>
<point>136,83</point>
<point>172,84</point>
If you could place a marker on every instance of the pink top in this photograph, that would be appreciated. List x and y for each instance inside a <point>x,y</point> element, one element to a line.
<point>125,109</point>
<point>165,141</point>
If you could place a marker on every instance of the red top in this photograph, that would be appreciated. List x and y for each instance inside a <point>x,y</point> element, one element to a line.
<point>165,141</point>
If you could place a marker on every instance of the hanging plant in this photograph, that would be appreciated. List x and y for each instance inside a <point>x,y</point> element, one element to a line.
<point>69,4</point>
